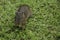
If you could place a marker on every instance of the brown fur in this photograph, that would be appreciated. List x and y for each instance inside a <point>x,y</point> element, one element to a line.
<point>22,14</point>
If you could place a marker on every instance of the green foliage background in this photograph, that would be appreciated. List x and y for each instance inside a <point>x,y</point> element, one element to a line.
<point>44,24</point>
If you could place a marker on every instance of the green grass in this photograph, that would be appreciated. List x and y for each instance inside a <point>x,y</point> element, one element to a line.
<point>44,24</point>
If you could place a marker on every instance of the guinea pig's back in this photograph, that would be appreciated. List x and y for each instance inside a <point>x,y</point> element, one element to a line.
<point>26,10</point>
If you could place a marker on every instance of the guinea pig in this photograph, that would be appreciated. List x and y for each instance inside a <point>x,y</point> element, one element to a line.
<point>21,16</point>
